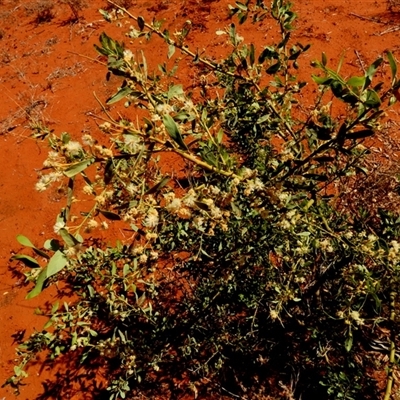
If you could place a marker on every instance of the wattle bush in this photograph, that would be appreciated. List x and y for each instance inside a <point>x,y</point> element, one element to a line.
<point>245,277</point>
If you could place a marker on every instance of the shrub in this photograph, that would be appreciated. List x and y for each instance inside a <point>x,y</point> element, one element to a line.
<point>243,277</point>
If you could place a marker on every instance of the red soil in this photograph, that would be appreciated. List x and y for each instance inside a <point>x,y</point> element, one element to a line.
<point>43,78</point>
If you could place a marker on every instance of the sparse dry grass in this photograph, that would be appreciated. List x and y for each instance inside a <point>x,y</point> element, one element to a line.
<point>29,112</point>
<point>76,7</point>
<point>64,72</point>
<point>379,188</point>
<point>393,5</point>
<point>42,9</point>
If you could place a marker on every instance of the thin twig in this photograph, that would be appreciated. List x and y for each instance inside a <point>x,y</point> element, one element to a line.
<point>103,108</point>
<point>362,64</point>
<point>368,19</point>
<point>89,58</point>
<point>390,30</point>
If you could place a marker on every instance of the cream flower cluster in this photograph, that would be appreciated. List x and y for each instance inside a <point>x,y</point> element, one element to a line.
<point>46,180</point>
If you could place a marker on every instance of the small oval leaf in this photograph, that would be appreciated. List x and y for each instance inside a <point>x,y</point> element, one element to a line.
<point>56,263</point>
<point>52,244</point>
<point>78,167</point>
<point>173,131</point>
<point>110,215</point>
<point>140,21</point>
<point>158,186</point>
<point>356,81</point>
<point>25,241</point>
<point>27,260</point>
<point>360,134</point>
<point>39,284</point>
<point>69,240</point>
<point>122,93</point>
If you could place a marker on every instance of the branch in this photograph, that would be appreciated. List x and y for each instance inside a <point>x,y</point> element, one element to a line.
<point>392,354</point>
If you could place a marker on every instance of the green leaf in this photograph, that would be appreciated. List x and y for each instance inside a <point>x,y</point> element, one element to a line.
<point>373,67</point>
<point>363,170</point>
<point>140,21</point>
<point>349,342</point>
<point>158,186</point>
<point>41,253</point>
<point>105,40</point>
<point>232,34</point>
<point>284,42</point>
<point>356,81</point>
<point>304,234</point>
<point>54,309</point>
<point>110,215</point>
<point>264,118</point>
<point>202,206</point>
<point>268,53</point>
<point>18,371</point>
<point>52,244</point>
<point>173,131</point>
<point>274,68</point>
<point>39,284</point>
<point>48,324</point>
<point>339,67</point>
<point>175,91</point>
<point>27,243</point>
<point>108,171</point>
<point>105,15</point>
<point>144,65</point>
<point>241,6</point>
<point>65,137</point>
<point>360,134</point>
<point>393,66</point>
<point>91,290</point>
<point>337,88</point>
<point>372,99</point>
<point>295,55</point>
<point>101,50</point>
<point>122,93</point>
<point>252,54</point>
<point>205,119</point>
<point>220,136</point>
<point>27,260</point>
<point>78,167</point>
<point>324,60</point>
<point>322,80</point>
<point>171,51</point>
<point>56,263</point>
<point>69,240</point>
<point>109,46</point>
